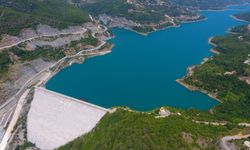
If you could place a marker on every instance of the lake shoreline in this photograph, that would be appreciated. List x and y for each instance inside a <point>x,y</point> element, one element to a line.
<point>236,18</point>
<point>190,73</point>
<point>194,88</point>
<point>224,8</point>
<point>70,62</point>
<point>164,28</point>
<point>104,65</point>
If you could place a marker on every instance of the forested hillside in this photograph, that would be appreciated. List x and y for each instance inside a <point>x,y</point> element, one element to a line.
<point>227,75</point>
<point>244,16</point>
<point>210,4</point>
<point>16,14</point>
<point>134,130</point>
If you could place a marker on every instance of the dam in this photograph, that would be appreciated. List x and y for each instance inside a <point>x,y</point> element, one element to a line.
<point>55,119</point>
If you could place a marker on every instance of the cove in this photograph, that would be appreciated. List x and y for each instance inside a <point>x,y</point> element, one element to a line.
<point>141,71</point>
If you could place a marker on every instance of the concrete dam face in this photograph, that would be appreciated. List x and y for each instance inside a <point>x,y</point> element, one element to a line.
<point>55,119</point>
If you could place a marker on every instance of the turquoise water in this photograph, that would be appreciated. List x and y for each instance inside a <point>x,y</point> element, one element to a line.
<point>141,70</point>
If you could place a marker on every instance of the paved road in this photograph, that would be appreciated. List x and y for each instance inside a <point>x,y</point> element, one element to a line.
<point>9,105</point>
<point>225,141</point>
<point>13,100</point>
<point>40,36</point>
<point>13,122</point>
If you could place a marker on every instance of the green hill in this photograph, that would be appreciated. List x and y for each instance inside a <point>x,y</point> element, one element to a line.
<point>16,15</point>
<point>134,130</point>
<point>209,4</point>
<point>226,75</point>
<point>243,16</point>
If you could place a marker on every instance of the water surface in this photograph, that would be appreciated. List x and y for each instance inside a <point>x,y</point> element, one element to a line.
<point>141,71</point>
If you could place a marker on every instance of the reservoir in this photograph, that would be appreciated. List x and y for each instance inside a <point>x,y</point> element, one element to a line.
<point>141,71</point>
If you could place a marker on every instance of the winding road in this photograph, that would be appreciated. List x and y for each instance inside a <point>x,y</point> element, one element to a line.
<point>41,36</point>
<point>11,103</point>
<point>225,141</point>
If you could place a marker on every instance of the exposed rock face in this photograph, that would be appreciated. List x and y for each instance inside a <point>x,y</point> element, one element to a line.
<point>42,31</point>
<point>19,75</point>
<point>30,39</point>
<point>117,21</point>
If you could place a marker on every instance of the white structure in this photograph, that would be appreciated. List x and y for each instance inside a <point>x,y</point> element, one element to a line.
<point>164,112</point>
<point>247,144</point>
<point>55,119</point>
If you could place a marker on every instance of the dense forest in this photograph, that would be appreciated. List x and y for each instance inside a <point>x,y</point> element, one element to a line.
<point>210,4</point>
<point>151,14</point>
<point>243,29</point>
<point>135,130</point>
<point>143,11</point>
<point>16,14</point>
<point>226,74</point>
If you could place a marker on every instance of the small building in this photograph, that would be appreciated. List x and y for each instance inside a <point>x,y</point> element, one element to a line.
<point>164,112</point>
